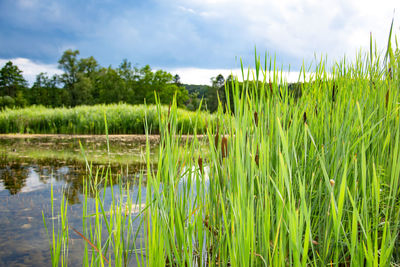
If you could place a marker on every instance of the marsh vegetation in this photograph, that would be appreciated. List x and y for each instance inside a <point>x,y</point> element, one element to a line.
<point>287,180</point>
<point>275,177</point>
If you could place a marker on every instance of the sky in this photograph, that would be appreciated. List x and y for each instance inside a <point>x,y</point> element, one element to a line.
<point>197,39</point>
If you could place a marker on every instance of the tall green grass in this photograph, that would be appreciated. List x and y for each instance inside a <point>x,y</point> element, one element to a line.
<point>313,180</point>
<point>122,119</point>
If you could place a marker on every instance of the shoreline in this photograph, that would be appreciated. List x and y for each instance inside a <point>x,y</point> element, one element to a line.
<point>127,137</point>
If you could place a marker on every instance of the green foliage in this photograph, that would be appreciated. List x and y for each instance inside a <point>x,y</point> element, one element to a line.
<point>287,180</point>
<point>201,90</point>
<point>310,179</point>
<point>215,93</point>
<point>7,101</point>
<point>84,82</point>
<point>121,118</point>
<point>45,92</point>
<point>12,86</point>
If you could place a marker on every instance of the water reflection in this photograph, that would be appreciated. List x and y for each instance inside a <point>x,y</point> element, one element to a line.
<point>28,168</point>
<point>123,150</point>
<point>22,178</point>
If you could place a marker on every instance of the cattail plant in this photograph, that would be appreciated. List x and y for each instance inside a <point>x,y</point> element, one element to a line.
<point>280,196</point>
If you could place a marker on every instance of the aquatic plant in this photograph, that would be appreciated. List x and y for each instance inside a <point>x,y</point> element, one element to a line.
<point>306,180</point>
<point>122,119</point>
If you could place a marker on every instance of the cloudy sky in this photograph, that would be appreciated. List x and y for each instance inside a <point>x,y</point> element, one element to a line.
<point>195,38</point>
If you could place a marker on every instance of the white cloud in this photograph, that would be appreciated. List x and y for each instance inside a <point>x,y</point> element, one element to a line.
<point>188,10</point>
<point>300,28</point>
<point>30,68</point>
<point>203,76</point>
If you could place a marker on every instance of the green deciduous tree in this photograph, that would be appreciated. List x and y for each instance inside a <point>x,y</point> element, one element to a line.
<point>215,92</point>
<point>111,87</point>
<point>69,64</point>
<point>78,77</point>
<point>11,80</point>
<point>45,92</point>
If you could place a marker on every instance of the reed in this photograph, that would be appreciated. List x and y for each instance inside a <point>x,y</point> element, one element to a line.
<point>313,180</point>
<point>122,119</point>
<point>301,181</point>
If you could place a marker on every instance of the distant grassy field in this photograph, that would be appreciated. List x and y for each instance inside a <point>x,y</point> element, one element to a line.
<point>121,119</point>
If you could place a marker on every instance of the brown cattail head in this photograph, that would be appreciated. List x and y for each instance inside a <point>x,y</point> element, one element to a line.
<point>305,117</point>
<point>200,162</point>
<point>224,146</point>
<point>256,118</point>
<point>216,138</point>
<point>390,74</point>
<point>256,158</point>
<point>169,112</point>
<point>270,86</point>
<point>334,92</point>
<point>387,97</point>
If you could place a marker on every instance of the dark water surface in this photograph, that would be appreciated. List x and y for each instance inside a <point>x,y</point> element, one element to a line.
<point>28,169</point>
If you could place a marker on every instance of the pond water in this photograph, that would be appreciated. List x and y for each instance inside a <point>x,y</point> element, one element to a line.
<point>30,166</point>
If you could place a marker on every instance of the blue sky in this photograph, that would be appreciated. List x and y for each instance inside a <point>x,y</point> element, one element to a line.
<point>194,38</point>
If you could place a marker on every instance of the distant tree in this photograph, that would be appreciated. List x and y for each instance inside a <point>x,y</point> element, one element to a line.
<point>20,100</point>
<point>127,72</point>
<point>144,90</point>
<point>167,86</point>
<point>111,87</point>
<point>82,91</point>
<point>193,102</point>
<point>88,66</point>
<point>11,80</point>
<point>200,89</point>
<point>130,76</point>
<point>218,81</point>
<point>79,77</point>
<point>215,92</point>
<point>45,91</point>
<point>177,80</point>
<point>6,101</point>
<point>69,64</point>
<point>87,83</point>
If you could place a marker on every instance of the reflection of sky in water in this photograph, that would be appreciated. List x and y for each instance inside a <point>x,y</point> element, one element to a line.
<point>27,171</point>
<point>33,181</point>
<point>25,194</point>
<point>63,170</point>
<point>23,240</point>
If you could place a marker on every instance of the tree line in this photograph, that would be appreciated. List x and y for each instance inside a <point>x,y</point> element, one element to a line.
<point>85,82</point>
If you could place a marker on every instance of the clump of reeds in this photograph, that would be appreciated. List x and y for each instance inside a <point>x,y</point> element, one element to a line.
<point>122,119</point>
<point>287,196</point>
<point>321,192</point>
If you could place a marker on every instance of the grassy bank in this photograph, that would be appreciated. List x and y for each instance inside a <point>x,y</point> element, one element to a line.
<point>313,180</point>
<point>121,119</point>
